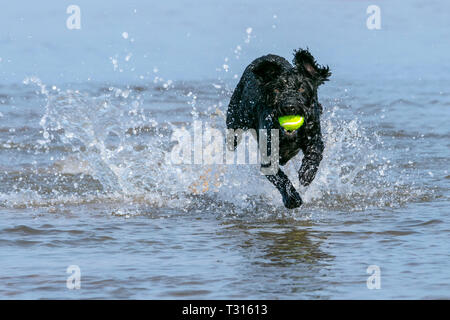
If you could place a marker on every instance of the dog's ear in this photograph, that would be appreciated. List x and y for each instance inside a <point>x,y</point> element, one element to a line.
<point>307,65</point>
<point>266,71</point>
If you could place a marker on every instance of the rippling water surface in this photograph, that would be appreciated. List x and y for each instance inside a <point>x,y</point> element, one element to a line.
<point>86,180</point>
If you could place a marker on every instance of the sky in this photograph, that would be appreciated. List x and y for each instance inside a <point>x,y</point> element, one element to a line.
<point>136,41</point>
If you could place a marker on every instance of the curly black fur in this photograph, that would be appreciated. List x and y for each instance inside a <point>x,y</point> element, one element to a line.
<point>271,87</point>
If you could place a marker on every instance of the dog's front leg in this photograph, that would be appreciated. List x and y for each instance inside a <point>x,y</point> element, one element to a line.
<point>313,153</point>
<point>269,163</point>
<point>291,198</point>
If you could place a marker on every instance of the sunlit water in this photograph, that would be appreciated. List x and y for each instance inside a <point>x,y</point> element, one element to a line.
<point>86,180</point>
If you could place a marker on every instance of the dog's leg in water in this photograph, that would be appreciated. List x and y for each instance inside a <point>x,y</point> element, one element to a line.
<point>291,198</point>
<point>280,180</point>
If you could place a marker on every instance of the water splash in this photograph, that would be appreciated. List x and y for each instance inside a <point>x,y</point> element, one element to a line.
<point>115,150</point>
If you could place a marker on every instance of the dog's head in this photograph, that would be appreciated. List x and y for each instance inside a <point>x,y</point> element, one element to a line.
<point>292,91</point>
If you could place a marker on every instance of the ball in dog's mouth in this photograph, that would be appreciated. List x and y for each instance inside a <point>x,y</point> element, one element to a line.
<point>291,123</point>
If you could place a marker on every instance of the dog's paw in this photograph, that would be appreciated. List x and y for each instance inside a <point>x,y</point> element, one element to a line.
<point>292,199</point>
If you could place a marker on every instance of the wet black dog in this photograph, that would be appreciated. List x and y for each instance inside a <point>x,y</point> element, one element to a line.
<point>270,88</point>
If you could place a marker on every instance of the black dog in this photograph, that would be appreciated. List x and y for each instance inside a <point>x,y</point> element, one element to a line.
<point>270,88</point>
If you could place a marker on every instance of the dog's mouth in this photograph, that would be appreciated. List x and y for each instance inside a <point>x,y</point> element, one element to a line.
<point>291,123</point>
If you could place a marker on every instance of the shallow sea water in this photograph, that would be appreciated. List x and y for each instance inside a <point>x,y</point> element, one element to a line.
<point>85,176</point>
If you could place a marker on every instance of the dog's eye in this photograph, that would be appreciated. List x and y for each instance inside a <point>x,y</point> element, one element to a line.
<point>276,91</point>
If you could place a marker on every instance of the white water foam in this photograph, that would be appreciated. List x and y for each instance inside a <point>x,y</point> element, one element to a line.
<point>115,140</point>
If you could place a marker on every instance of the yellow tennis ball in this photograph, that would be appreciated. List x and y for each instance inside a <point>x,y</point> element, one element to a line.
<point>291,123</point>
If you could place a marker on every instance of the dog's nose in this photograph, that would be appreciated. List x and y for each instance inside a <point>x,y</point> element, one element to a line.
<point>290,109</point>
<point>291,103</point>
